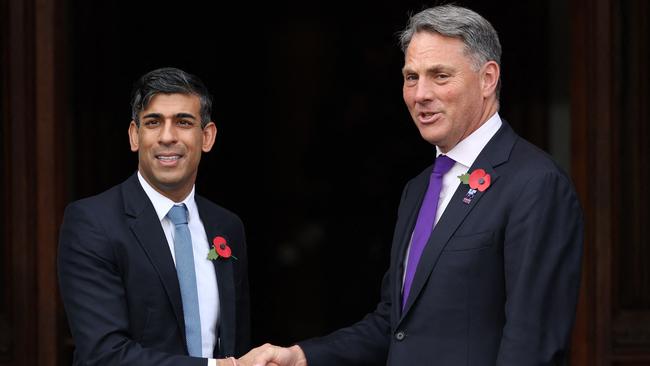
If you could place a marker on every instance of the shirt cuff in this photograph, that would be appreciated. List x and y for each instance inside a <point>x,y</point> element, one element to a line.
<point>212,362</point>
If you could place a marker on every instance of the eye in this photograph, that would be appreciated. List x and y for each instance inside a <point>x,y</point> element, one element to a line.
<point>185,123</point>
<point>151,123</point>
<point>410,79</point>
<point>442,77</point>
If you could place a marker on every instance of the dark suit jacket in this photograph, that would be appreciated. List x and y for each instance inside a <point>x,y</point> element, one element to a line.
<point>119,285</point>
<point>497,283</point>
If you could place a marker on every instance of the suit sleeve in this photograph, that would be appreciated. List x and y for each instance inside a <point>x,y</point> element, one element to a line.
<point>95,300</point>
<point>363,343</point>
<point>542,259</point>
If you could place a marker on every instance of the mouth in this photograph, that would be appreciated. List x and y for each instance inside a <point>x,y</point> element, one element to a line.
<point>168,159</point>
<point>428,117</point>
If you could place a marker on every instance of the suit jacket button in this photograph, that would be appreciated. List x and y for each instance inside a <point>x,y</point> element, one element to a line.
<point>400,335</point>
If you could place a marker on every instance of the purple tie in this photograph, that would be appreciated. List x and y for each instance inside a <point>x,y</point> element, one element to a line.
<point>425,222</point>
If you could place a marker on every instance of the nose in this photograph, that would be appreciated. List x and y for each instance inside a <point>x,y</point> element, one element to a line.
<point>423,91</point>
<point>167,133</point>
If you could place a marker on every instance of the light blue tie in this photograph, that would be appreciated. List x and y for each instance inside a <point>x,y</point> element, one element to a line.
<point>187,279</point>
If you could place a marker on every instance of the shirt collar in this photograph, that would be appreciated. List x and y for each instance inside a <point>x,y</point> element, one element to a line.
<point>162,204</point>
<point>468,149</point>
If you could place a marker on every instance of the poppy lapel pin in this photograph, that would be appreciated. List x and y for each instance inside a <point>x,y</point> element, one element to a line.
<point>220,249</point>
<point>478,181</point>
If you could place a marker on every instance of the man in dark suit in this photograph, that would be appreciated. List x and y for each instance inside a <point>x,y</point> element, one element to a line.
<point>149,272</point>
<point>485,261</point>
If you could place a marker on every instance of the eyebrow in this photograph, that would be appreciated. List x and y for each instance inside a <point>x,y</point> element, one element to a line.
<point>431,70</point>
<point>178,115</point>
<point>185,115</point>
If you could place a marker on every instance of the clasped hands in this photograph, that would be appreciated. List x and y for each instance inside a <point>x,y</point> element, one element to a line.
<point>270,355</point>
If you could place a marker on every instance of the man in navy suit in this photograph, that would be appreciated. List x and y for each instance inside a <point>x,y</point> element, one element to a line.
<point>495,279</point>
<point>140,285</point>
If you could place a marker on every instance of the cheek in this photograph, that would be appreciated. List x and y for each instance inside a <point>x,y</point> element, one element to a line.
<point>449,95</point>
<point>409,100</point>
<point>146,140</point>
<point>406,96</point>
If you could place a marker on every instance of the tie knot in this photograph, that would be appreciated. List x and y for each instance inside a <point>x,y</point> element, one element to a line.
<point>178,214</point>
<point>442,164</point>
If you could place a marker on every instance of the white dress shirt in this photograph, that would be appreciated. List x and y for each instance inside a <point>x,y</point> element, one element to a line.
<point>206,278</point>
<point>464,154</point>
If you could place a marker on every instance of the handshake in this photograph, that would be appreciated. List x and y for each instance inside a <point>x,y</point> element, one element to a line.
<point>268,355</point>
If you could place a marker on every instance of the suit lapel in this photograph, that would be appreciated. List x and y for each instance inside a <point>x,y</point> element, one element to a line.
<point>145,225</point>
<point>225,281</point>
<point>496,152</point>
<point>418,188</point>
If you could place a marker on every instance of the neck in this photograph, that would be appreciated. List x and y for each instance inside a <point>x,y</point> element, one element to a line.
<point>175,196</point>
<point>176,193</point>
<point>490,107</point>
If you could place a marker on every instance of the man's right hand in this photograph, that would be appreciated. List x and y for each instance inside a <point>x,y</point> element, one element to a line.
<point>270,355</point>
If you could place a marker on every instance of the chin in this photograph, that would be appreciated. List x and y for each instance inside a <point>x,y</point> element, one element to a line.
<point>433,134</point>
<point>433,139</point>
<point>168,179</point>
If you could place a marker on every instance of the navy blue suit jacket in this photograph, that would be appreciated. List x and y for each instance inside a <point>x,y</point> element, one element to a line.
<point>119,285</point>
<point>497,283</point>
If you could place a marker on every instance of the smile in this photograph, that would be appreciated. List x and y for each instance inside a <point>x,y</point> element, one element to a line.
<point>168,158</point>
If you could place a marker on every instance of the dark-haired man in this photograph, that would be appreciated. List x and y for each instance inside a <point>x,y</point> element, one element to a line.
<point>485,261</point>
<point>151,273</point>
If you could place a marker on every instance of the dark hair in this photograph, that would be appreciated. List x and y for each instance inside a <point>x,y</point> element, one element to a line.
<point>169,80</point>
<point>480,39</point>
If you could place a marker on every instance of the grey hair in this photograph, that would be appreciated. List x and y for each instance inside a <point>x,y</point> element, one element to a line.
<point>480,39</point>
<point>169,80</point>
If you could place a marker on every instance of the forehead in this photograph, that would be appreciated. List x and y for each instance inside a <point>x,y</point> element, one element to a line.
<point>428,47</point>
<point>173,104</point>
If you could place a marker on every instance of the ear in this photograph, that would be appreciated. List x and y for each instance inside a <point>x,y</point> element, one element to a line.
<point>134,139</point>
<point>490,78</point>
<point>209,136</point>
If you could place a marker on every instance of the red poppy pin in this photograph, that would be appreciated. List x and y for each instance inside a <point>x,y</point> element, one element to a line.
<point>478,180</point>
<point>220,249</point>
